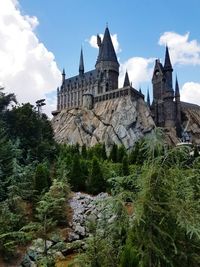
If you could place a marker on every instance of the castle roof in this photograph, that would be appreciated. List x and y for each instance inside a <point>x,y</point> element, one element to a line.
<point>87,76</point>
<point>167,64</point>
<point>107,51</point>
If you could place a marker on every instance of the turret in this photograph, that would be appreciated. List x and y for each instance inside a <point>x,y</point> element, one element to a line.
<point>81,64</point>
<point>178,109</point>
<point>148,99</point>
<point>168,70</point>
<point>63,76</point>
<point>107,63</point>
<point>126,80</point>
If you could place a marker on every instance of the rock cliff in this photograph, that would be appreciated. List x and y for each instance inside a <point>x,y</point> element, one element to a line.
<point>120,121</point>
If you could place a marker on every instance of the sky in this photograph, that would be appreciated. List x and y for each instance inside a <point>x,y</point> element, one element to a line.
<point>41,37</point>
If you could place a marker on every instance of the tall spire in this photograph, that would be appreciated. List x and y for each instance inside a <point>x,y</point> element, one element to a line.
<point>107,51</point>
<point>167,64</point>
<point>81,64</point>
<point>63,76</point>
<point>126,80</point>
<point>148,98</point>
<point>177,92</point>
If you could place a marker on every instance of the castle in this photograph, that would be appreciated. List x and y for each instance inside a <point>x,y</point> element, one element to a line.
<point>101,84</point>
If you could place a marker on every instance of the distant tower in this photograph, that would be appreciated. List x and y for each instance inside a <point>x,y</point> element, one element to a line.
<point>158,93</point>
<point>126,80</point>
<point>63,77</point>
<point>107,65</point>
<point>163,106</point>
<point>168,69</point>
<point>178,109</point>
<point>169,107</point>
<point>148,99</point>
<point>81,64</point>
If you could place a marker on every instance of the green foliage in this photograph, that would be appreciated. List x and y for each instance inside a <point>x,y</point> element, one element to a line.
<point>96,182</point>
<point>36,139</point>
<point>6,100</point>
<point>41,179</point>
<point>113,153</point>
<point>77,177</point>
<point>125,166</point>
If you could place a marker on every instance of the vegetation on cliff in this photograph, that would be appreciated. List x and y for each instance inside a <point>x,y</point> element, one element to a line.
<point>161,184</point>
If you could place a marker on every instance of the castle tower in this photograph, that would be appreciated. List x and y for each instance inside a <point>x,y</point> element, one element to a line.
<point>168,97</point>
<point>158,93</point>
<point>178,109</point>
<point>107,64</point>
<point>168,70</point>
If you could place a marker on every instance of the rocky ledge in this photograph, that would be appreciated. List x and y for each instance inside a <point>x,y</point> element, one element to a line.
<point>121,121</point>
<point>85,208</point>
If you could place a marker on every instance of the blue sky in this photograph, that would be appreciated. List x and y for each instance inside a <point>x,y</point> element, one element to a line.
<point>143,27</point>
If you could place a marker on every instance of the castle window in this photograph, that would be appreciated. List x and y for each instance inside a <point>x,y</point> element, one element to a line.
<point>107,87</point>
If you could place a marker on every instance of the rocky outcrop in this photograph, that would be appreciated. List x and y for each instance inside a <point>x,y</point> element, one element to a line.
<point>120,121</point>
<point>85,208</point>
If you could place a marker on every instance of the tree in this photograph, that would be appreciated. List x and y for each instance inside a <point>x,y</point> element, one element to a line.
<point>6,100</point>
<point>125,166</point>
<point>166,228</point>
<point>121,153</point>
<point>41,178</point>
<point>96,183</point>
<point>114,153</point>
<point>77,179</point>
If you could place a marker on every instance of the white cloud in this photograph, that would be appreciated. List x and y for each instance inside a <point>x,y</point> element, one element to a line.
<point>139,70</point>
<point>93,42</point>
<point>27,68</point>
<point>190,92</point>
<point>182,50</point>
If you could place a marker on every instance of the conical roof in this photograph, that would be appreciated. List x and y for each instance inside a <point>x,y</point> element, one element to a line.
<point>177,92</point>
<point>107,51</point>
<point>126,80</point>
<point>81,63</point>
<point>167,65</point>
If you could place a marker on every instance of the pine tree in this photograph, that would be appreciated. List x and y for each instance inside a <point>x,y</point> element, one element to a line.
<point>125,166</point>
<point>41,178</point>
<point>77,179</point>
<point>114,153</point>
<point>96,182</point>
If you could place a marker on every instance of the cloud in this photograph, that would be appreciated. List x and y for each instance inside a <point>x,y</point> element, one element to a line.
<point>190,92</point>
<point>27,68</point>
<point>139,70</point>
<point>93,42</point>
<point>182,50</point>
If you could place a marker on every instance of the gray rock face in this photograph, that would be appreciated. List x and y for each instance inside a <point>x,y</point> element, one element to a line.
<point>120,121</point>
<point>85,207</point>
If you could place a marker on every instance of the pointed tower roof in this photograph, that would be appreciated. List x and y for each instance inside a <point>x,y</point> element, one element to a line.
<point>167,64</point>
<point>148,98</point>
<point>177,92</point>
<point>126,80</point>
<point>140,90</point>
<point>81,63</point>
<point>107,51</point>
<point>63,73</point>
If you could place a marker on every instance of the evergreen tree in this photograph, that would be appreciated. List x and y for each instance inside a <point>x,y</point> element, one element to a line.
<point>77,179</point>
<point>41,178</point>
<point>96,183</point>
<point>121,153</point>
<point>125,166</point>
<point>114,153</point>
<point>84,151</point>
<point>103,153</point>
